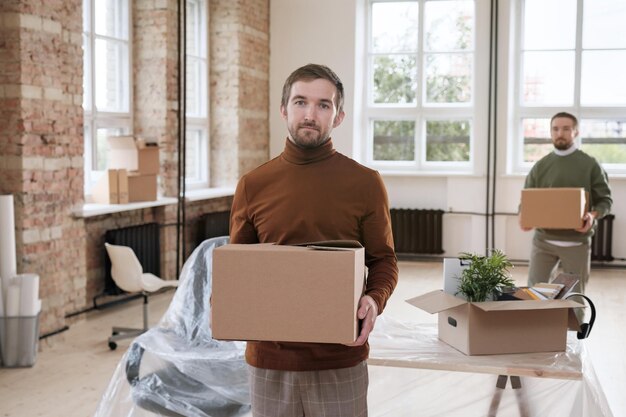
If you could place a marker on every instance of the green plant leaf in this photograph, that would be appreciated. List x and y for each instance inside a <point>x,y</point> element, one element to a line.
<point>485,275</point>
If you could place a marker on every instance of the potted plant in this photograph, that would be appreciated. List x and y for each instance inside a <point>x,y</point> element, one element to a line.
<point>486,276</point>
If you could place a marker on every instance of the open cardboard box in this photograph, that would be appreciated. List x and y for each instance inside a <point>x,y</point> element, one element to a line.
<point>126,152</point>
<point>553,208</point>
<point>307,293</point>
<point>497,327</point>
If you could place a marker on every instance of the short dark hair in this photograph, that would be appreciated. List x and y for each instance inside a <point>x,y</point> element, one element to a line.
<point>567,115</point>
<point>313,72</point>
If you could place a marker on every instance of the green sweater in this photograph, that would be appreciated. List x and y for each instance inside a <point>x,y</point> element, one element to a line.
<point>574,170</point>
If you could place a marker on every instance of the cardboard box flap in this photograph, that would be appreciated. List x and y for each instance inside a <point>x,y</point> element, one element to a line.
<point>435,301</point>
<point>332,244</point>
<point>122,142</point>
<point>518,305</point>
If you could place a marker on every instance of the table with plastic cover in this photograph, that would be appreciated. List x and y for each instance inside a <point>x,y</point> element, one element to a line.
<point>413,373</point>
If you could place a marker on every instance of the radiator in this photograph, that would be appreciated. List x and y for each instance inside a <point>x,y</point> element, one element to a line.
<point>145,242</point>
<point>417,231</point>
<point>602,242</point>
<point>213,225</point>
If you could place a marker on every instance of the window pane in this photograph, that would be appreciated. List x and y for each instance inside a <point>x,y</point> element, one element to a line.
<point>395,79</point>
<point>192,156</point>
<point>394,27</point>
<point>394,140</point>
<point>86,74</point>
<point>549,24</point>
<point>537,139</point>
<point>111,76</point>
<point>102,146</point>
<point>193,28</point>
<point>603,24</point>
<point>545,80</point>
<point>86,15</point>
<point>449,25</point>
<point>111,18</point>
<point>605,140</point>
<point>448,78</point>
<point>448,140</point>
<point>194,86</point>
<point>602,80</point>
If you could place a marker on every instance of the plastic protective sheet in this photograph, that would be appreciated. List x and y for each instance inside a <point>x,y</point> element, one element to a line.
<point>177,368</point>
<point>413,373</point>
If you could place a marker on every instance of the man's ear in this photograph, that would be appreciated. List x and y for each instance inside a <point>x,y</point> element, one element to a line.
<point>283,112</point>
<point>339,118</point>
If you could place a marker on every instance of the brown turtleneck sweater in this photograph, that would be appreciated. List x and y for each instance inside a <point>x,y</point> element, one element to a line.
<point>308,195</point>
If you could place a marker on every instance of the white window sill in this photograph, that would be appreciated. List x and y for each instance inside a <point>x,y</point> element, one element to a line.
<point>209,193</point>
<point>92,210</point>
<point>397,173</point>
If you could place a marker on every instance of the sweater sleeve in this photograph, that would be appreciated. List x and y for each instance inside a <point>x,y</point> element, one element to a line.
<point>600,192</point>
<point>380,257</point>
<point>241,228</point>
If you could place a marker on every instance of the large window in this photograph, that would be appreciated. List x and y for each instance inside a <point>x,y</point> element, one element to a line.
<point>197,131</point>
<point>106,81</point>
<point>424,84</point>
<point>572,55</point>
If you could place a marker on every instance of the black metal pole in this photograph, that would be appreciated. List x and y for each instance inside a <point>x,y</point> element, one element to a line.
<point>179,142</point>
<point>183,133</point>
<point>495,123</point>
<point>489,123</point>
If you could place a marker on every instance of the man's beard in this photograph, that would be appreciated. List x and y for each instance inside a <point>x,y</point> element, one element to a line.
<point>562,145</point>
<point>308,139</point>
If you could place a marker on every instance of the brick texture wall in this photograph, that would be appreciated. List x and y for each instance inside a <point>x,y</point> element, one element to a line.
<point>239,79</point>
<point>41,140</point>
<point>42,146</point>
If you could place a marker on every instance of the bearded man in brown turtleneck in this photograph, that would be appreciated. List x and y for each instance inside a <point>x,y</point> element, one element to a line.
<point>311,193</point>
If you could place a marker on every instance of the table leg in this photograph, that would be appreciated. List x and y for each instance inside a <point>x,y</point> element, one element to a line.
<point>522,403</point>
<point>497,396</point>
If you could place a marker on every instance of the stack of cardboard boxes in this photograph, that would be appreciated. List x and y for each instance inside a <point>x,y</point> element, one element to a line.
<point>132,173</point>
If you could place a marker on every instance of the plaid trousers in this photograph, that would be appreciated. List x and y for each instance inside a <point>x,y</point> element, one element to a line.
<point>327,393</point>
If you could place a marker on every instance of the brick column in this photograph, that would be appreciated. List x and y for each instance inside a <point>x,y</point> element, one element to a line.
<point>239,33</point>
<point>41,146</point>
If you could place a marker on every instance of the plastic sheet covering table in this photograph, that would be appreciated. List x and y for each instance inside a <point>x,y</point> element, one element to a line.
<point>413,373</point>
<point>177,368</point>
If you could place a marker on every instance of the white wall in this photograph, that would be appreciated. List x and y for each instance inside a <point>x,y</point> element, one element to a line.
<point>320,32</point>
<point>330,32</point>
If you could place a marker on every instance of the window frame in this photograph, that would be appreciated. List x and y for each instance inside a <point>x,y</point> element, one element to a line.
<point>200,121</point>
<point>94,119</point>
<point>519,111</point>
<point>419,112</point>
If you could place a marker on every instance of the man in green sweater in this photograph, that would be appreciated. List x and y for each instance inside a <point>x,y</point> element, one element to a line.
<point>567,166</point>
<point>309,193</point>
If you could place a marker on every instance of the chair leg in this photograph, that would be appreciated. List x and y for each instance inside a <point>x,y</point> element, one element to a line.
<point>145,311</point>
<point>119,333</point>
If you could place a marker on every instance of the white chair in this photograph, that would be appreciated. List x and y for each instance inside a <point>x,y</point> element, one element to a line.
<point>127,272</point>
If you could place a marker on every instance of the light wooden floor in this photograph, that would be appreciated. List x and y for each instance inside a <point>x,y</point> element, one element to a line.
<point>69,378</point>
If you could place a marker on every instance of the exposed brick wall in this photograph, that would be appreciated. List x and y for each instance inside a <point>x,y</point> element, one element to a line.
<point>239,33</point>
<point>42,146</point>
<point>41,139</point>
